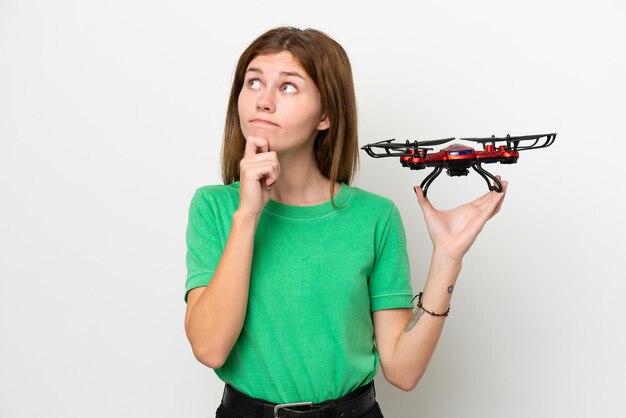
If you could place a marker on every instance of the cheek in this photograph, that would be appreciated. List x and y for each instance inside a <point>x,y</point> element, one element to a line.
<point>305,114</point>
<point>246,99</point>
<point>309,119</point>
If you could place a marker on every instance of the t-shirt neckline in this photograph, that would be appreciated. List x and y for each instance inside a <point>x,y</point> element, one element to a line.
<point>308,212</point>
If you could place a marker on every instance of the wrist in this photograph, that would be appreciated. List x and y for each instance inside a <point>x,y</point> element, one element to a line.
<point>442,277</point>
<point>442,261</point>
<point>245,219</point>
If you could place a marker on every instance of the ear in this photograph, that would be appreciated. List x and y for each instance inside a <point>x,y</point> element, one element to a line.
<point>324,123</point>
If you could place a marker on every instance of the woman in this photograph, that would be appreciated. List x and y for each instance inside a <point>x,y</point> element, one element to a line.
<point>293,275</point>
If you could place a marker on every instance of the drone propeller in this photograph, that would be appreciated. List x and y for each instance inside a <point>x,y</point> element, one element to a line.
<point>512,142</point>
<point>435,142</point>
<point>391,148</point>
<point>399,149</point>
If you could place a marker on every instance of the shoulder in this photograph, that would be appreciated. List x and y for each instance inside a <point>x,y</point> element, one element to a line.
<point>215,201</point>
<point>216,193</point>
<point>378,212</point>
<point>371,202</point>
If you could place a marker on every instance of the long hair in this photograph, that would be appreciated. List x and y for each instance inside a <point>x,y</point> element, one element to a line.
<point>327,64</point>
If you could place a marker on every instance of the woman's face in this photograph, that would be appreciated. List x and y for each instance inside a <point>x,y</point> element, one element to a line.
<point>280,102</point>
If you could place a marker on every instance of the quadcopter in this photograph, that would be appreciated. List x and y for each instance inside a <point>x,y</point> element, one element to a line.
<point>458,158</point>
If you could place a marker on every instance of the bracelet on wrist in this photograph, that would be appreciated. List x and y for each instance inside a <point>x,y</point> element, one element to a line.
<point>419,305</point>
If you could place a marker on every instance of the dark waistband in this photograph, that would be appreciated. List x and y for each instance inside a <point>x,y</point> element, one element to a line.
<point>353,404</point>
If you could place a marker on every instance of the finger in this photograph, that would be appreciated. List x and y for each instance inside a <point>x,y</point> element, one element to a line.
<point>272,177</point>
<point>491,206</point>
<point>484,198</point>
<point>481,200</point>
<point>255,145</point>
<point>263,156</point>
<point>504,187</point>
<point>266,171</point>
<point>270,157</point>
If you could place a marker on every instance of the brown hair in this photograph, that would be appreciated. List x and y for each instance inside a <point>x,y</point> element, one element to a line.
<point>326,62</point>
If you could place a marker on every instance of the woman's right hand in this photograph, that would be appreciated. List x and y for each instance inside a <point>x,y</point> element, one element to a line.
<point>258,172</point>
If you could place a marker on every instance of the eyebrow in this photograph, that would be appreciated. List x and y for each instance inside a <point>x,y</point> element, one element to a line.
<point>282,73</point>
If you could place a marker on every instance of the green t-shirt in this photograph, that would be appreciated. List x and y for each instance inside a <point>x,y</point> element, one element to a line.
<point>317,274</point>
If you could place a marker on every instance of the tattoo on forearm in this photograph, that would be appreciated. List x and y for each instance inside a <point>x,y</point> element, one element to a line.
<point>450,289</point>
<point>416,317</point>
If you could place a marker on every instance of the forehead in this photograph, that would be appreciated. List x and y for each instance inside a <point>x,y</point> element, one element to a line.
<point>282,61</point>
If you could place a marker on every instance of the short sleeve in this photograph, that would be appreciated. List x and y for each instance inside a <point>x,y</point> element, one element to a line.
<point>204,247</point>
<point>390,280</point>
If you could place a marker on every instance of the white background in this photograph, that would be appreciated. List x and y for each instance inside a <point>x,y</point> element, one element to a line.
<point>111,115</point>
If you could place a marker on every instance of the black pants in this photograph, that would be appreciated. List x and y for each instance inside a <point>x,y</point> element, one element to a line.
<point>223,412</point>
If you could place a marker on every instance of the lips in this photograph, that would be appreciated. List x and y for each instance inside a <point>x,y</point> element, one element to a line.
<point>263,122</point>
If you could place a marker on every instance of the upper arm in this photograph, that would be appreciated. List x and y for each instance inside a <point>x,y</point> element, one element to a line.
<point>204,243</point>
<point>192,297</point>
<point>388,326</point>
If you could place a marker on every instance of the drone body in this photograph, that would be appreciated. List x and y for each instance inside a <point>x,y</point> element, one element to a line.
<point>457,159</point>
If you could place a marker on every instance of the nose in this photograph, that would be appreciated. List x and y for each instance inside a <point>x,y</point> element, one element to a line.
<point>265,102</point>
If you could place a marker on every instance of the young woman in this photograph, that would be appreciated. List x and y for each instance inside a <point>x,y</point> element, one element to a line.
<point>298,285</point>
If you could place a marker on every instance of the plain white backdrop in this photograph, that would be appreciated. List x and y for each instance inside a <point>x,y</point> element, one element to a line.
<point>111,115</point>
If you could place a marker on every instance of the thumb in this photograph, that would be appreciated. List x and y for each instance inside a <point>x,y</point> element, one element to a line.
<point>423,200</point>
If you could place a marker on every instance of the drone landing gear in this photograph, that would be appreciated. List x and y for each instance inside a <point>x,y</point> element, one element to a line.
<point>497,186</point>
<point>429,179</point>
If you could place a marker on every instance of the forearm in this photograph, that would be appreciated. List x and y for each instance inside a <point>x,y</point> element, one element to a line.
<point>417,342</point>
<point>217,317</point>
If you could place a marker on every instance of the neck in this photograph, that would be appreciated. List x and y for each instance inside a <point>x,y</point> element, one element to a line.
<point>300,182</point>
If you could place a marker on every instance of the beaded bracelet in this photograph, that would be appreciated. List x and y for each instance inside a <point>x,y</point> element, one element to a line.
<point>419,305</point>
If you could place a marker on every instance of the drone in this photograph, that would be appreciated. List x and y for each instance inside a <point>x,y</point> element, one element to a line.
<point>458,158</point>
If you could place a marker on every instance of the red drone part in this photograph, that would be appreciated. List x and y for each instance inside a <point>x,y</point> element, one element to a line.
<point>457,159</point>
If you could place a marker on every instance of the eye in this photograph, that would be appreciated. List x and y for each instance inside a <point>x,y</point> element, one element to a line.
<point>289,88</point>
<point>254,83</point>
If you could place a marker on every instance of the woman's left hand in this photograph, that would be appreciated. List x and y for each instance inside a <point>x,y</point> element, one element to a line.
<point>454,231</point>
